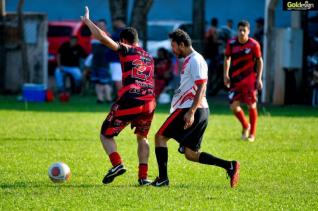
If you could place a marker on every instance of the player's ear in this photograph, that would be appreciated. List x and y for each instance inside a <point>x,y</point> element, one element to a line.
<point>182,46</point>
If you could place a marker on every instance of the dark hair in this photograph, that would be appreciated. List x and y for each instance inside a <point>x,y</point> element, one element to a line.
<point>260,21</point>
<point>180,36</point>
<point>120,19</point>
<point>102,20</point>
<point>214,22</point>
<point>130,34</point>
<point>243,23</point>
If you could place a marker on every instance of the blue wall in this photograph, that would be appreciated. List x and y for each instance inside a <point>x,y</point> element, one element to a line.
<point>161,9</point>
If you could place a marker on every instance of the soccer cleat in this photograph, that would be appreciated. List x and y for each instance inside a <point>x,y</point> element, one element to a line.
<point>144,182</point>
<point>114,172</point>
<point>159,182</point>
<point>251,138</point>
<point>234,173</point>
<point>245,132</point>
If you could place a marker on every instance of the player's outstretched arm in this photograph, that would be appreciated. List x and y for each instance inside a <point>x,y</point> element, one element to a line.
<point>227,63</point>
<point>98,33</point>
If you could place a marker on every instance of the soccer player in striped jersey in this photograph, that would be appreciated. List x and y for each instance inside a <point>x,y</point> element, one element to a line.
<point>189,114</point>
<point>243,66</point>
<point>135,103</point>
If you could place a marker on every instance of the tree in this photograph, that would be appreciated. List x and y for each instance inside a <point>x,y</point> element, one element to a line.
<point>139,18</point>
<point>198,24</point>
<point>2,47</point>
<point>118,9</point>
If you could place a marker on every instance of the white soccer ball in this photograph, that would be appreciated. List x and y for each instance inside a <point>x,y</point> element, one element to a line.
<point>59,172</point>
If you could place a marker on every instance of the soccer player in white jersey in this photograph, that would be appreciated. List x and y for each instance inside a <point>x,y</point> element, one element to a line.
<point>189,114</point>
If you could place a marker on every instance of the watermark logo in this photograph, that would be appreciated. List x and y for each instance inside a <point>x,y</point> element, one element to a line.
<point>300,5</point>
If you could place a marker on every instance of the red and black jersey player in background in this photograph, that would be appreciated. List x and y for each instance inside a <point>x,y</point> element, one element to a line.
<point>135,104</point>
<point>243,66</point>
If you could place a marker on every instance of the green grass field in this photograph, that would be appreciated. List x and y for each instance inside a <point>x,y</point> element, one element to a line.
<point>279,171</point>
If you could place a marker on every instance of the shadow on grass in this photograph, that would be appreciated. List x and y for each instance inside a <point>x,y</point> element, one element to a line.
<point>218,106</point>
<point>40,139</point>
<point>30,184</point>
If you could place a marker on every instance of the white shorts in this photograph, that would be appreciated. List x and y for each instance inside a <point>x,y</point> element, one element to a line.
<point>115,69</point>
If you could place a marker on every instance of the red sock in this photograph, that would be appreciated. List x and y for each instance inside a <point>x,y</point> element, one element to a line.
<point>253,120</point>
<point>143,171</point>
<point>115,159</point>
<point>241,117</point>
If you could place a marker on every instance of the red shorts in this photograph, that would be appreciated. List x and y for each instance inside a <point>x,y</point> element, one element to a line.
<point>136,112</point>
<point>245,94</point>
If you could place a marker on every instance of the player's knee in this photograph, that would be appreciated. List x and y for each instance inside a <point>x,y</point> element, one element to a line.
<point>235,107</point>
<point>104,138</point>
<point>191,155</point>
<point>141,138</point>
<point>159,140</point>
<point>143,143</point>
<point>252,106</point>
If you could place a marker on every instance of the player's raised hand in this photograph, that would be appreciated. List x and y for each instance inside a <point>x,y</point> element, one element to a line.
<point>86,15</point>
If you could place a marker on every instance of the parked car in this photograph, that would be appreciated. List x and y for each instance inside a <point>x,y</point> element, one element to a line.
<point>60,32</point>
<point>158,34</point>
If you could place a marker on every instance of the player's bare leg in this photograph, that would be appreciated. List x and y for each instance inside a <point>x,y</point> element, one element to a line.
<point>143,156</point>
<point>109,144</point>
<point>239,113</point>
<point>252,109</point>
<point>110,148</point>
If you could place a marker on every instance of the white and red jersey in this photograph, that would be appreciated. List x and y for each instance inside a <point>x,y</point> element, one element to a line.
<point>194,71</point>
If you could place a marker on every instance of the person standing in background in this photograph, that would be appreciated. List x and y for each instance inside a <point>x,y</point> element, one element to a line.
<point>100,71</point>
<point>243,78</point>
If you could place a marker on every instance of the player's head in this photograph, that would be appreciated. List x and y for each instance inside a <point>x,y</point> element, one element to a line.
<point>229,23</point>
<point>243,30</point>
<point>180,42</point>
<point>129,36</point>
<point>119,23</point>
<point>214,22</point>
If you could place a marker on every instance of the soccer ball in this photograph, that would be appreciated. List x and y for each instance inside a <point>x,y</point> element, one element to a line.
<point>59,172</point>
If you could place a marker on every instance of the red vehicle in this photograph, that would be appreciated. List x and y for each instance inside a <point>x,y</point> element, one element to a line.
<point>60,32</point>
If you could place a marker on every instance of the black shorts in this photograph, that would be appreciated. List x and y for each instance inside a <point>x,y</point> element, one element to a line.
<point>136,112</point>
<point>191,137</point>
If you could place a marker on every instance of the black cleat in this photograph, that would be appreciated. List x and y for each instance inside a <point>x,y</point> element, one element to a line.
<point>144,182</point>
<point>114,172</point>
<point>159,182</point>
<point>234,173</point>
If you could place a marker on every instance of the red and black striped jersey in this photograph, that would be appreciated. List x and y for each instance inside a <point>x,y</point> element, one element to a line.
<point>137,73</point>
<point>242,69</point>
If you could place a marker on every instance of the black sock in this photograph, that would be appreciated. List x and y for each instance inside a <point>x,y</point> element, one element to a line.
<point>162,160</point>
<point>206,158</point>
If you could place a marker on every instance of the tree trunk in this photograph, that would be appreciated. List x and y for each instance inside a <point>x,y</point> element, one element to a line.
<point>139,18</point>
<point>118,9</point>
<point>198,19</point>
<point>2,47</point>
<point>23,45</point>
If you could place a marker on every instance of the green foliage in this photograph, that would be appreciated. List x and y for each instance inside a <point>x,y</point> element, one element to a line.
<point>279,170</point>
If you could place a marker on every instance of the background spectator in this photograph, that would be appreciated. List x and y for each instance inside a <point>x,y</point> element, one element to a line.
<point>68,63</point>
<point>115,67</point>
<point>259,31</point>
<point>163,70</point>
<point>100,72</point>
